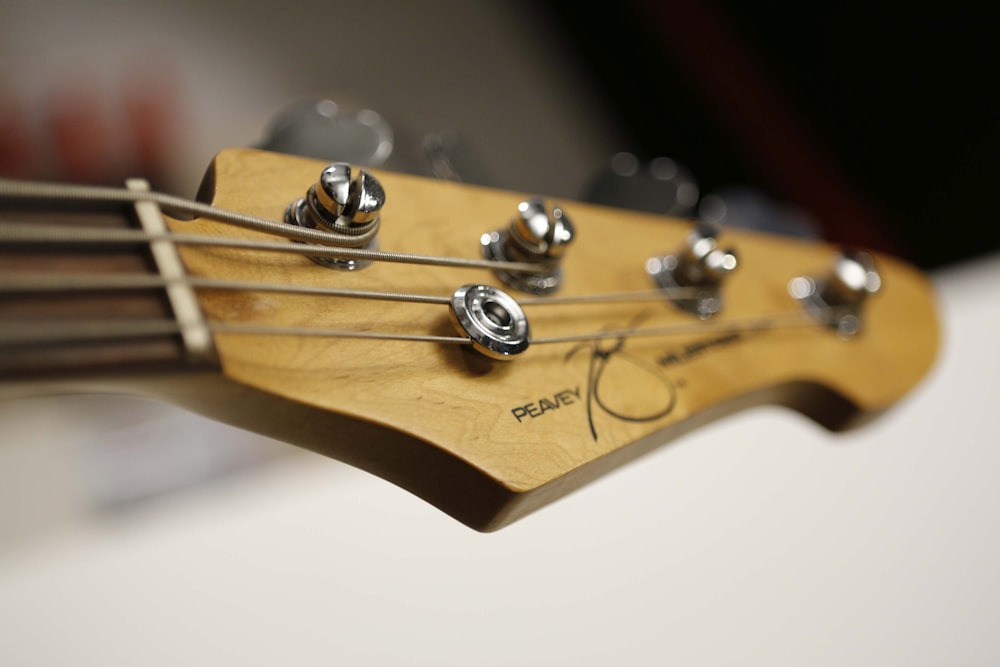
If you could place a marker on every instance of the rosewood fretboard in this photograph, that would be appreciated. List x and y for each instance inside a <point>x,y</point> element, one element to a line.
<point>64,310</point>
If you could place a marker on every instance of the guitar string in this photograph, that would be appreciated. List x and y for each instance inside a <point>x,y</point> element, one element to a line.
<point>31,233</point>
<point>785,320</point>
<point>83,331</point>
<point>44,234</point>
<point>31,282</point>
<point>14,189</point>
<point>172,204</point>
<point>57,234</point>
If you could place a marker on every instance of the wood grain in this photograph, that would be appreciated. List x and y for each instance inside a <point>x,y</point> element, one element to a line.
<point>444,422</point>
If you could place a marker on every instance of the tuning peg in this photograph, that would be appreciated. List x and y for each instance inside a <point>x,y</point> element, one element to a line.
<point>837,298</point>
<point>346,202</point>
<point>354,200</point>
<point>492,319</point>
<point>537,234</point>
<point>322,129</point>
<point>661,185</point>
<point>449,156</point>
<point>743,207</point>
<point>699,264</point>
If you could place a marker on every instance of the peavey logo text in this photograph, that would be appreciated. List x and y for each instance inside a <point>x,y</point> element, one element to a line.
<point>610,353</point>
<point>543,405</point>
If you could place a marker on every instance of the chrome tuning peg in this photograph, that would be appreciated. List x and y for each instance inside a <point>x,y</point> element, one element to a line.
<point>494,322</point>
<point>837,298</point>
<point>322,129</point>
<point>661,185</point>
<point>700,264</point>
<point>536,235</point>
<point>344,202</point>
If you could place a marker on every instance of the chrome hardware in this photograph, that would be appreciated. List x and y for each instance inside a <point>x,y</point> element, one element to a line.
<point>700,264</point>
<point>492,319</point>
<point>660,185</point>
<point>836,299</point>
<point>743,207</point>
<point>320,128</point>
<point>346,203</point>
<point>535,235</point>
<point>450,157</point>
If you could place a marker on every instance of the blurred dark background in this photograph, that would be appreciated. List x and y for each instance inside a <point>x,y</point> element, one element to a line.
<point>880,125</point>
<point>882,120</point>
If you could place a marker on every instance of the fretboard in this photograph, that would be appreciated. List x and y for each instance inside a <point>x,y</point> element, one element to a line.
<point>72,332</point>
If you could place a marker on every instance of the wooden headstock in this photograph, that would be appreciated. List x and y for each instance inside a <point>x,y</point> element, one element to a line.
<point>489,441</point>
<point>374,367</point>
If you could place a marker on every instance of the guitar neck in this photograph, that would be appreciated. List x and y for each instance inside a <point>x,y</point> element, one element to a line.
<point>402,354</point>
<point>59,335</point>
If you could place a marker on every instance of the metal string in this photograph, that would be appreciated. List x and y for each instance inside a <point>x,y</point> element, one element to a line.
<point>34,283</point>
<point>82,331</point>
<point>103,329</point>
<point>62,234</point>
<point>57,234</point>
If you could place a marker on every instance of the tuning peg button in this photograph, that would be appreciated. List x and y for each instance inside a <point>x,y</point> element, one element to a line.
<point>852,279</point>
<point>322,129</point>
<point>357,198</point>
<point>345,202</point>
<point>700,264</point>
<point>494,322</point>
<point>538,234</point>
<point>837,298</point>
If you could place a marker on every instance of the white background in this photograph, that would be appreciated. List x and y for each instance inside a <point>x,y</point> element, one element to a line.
<point>758,540</point>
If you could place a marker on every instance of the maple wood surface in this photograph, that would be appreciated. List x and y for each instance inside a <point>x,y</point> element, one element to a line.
<point>449,399</point>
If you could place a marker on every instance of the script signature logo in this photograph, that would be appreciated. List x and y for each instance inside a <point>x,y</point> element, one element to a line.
<point>610,353</point>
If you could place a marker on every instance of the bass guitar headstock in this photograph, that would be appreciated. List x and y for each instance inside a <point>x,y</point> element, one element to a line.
<point>491,351</point>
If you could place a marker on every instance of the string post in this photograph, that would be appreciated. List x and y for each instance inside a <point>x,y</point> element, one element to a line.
<point>539,235</point>
<point>700,263</point>
<point>346,203</point>
<point>836,299</point>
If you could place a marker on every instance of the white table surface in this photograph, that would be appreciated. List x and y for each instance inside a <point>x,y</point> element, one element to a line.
<point>760,539</point>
